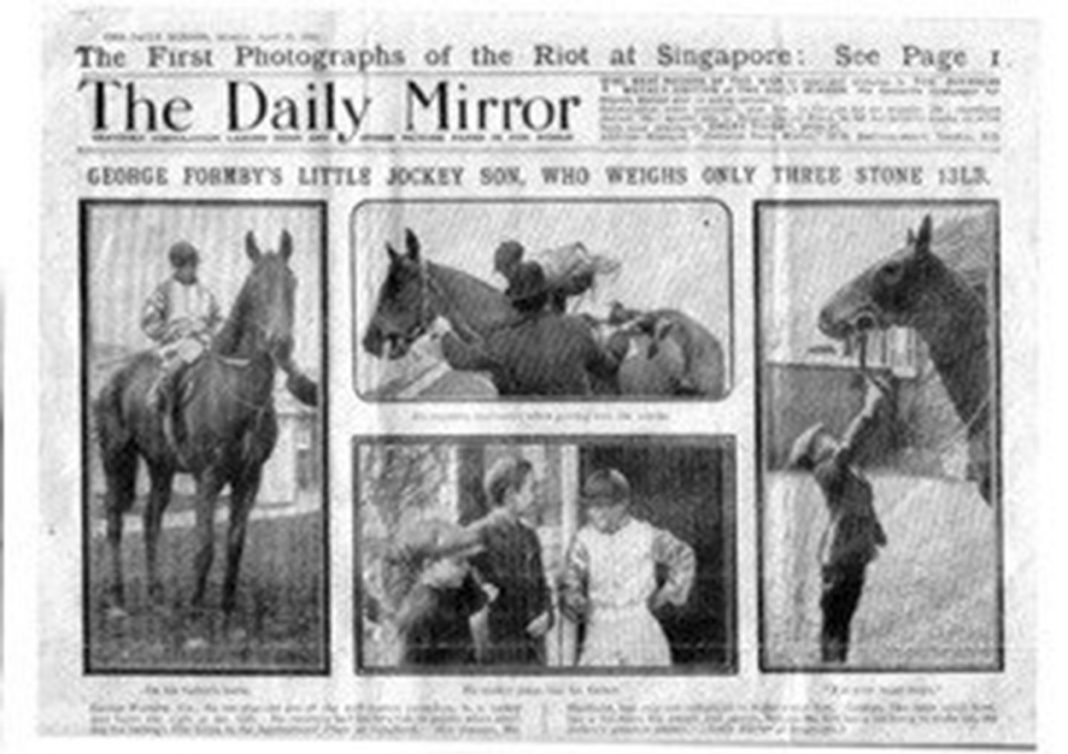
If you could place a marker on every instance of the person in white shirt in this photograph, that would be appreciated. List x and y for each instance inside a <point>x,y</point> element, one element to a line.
<point>610,578</point>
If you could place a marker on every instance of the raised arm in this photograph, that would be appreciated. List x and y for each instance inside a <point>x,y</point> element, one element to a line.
<point>864,424</point>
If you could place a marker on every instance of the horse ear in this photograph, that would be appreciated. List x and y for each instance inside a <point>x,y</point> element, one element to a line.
<point>923,237</point>
<point>285,245</point>
<point>394,257</point>
<point>412,242</point>
<point>251,248</point>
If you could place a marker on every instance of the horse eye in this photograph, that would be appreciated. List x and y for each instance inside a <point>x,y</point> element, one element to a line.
<point>891,273</point>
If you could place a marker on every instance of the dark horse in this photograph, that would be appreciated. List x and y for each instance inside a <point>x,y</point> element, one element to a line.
<point>222,426</point>
<point>416,292</point>
<point>914,288</point>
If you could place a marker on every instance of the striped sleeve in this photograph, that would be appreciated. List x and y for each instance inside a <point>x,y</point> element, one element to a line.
<point>573,598</point>
<point>681,565</point>
<point>154,314</point>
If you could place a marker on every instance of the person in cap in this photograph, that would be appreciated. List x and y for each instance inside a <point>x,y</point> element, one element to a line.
<point>539,352</point>
<point>854,534</point>
<point>520,611</point>
<point>569,270</point>
<point>432,593</point>
<point>180,317</point>
<point>610,578</point>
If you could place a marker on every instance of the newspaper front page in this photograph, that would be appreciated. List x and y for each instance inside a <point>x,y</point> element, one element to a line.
<point>530,378</point>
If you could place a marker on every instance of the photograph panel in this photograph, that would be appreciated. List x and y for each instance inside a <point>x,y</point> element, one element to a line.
<point>541,555</point>
<point>879,503</point>
<point>204,531</point>
<point>543,300</point>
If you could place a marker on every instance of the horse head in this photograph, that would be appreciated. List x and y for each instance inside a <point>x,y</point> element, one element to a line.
<point>404,310</point>
<point>887,294</point>
<point>264,311</point>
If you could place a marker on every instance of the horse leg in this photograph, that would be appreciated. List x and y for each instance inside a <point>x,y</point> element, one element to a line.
<point>120,468</point>
<point>209,485</point>
<point>158,499</point>
<point>241,502</point>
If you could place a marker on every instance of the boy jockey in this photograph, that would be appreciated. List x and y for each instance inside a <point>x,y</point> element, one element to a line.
<point>854,533</point>
<point>610,580</point>
<point>180,317</point>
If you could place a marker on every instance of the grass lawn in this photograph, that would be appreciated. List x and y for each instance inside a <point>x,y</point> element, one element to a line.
<point>279,622</point>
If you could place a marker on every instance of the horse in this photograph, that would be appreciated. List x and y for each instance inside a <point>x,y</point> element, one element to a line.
<point>220,427</point>
<point>914,288</point>
<point>415,292</point>
<point>665,352</point>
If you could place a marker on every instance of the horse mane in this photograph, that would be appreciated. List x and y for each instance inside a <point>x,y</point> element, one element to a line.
<point>228,339</point>
<point>453,274</point>
<point>458,283</point>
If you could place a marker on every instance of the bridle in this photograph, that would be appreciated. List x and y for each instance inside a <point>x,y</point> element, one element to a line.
<point>244,362</point>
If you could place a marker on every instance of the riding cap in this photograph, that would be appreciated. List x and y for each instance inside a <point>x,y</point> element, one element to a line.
<point>527,283</point>
<point>182,253</point>
<point>507,255</point>
<point>605,487</point>
<point>804,447</point>
<point>435,538</point>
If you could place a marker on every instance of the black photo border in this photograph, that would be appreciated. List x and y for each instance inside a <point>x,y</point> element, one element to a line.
<point>724,442</point>
<point>760,461</point>
<point>85,209</point>
<point>358,355</point>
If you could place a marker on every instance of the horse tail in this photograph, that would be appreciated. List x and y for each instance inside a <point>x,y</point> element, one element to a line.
<point>118,452</point>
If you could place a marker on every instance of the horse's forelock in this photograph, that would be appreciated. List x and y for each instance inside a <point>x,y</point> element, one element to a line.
<point>401,276</point>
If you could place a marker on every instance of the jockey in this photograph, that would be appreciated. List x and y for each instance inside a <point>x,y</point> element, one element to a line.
<point>180,317</point>
<point>569,270</point>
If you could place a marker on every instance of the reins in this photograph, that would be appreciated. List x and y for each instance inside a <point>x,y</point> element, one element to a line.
<point>242,363</point>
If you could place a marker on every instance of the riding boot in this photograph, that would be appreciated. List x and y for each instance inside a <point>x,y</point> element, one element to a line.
<point>162,391</point>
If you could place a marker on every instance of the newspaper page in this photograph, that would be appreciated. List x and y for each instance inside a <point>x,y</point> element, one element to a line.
<point>537,378</point>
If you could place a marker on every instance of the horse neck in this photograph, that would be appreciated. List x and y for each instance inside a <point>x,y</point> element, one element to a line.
<point>237,340</point>
<point>952,321</point>
<point>466,301</point>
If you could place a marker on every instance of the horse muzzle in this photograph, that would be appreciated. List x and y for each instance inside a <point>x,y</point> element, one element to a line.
<point>392,346</point>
